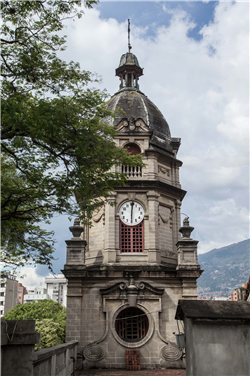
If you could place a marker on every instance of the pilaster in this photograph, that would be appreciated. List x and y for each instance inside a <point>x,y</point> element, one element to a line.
<point>176,223</point>
<point>74,303</point>
<point>154,255</point>
<point>109,253</point>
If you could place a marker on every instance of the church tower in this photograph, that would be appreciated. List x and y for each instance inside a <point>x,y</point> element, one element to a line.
<point>128,270</point>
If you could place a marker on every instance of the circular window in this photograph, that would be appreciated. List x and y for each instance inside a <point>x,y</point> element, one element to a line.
<point>131,324</point>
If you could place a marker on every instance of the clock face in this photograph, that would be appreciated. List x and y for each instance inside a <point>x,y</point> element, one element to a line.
<point>131,213</point>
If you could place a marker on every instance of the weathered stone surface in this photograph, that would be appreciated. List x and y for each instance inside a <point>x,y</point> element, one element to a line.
<point>217,337</point>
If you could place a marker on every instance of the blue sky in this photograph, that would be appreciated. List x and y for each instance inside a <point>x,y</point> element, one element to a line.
<point>195,57</point>
<point>149,14</point>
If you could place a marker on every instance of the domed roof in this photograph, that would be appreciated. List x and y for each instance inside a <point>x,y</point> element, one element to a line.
<point>129,62</point>
<point>130,103</point>
<point>129,59</point>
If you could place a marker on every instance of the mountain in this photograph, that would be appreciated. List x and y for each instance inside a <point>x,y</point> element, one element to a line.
<point>224,269</point>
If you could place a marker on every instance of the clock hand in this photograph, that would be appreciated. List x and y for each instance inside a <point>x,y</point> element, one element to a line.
<point>132,205</point>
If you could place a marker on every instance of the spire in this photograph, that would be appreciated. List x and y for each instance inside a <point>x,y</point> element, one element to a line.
<point>129,45</point>
<point>129,69</point>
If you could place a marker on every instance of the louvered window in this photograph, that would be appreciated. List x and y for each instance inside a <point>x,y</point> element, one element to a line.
<point>131,238</point>
<point>132,324</point>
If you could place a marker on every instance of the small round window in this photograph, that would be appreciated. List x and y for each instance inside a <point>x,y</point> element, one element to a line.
<point>131,324</point>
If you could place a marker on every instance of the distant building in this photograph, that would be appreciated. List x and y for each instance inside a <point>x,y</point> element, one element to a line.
<point>221,298</point>
<point>57,288</point>
<point>20,293</point>
<point>247,294</point>
<point>36,294</point>
<point>8,293</point>
<point>239,293</point>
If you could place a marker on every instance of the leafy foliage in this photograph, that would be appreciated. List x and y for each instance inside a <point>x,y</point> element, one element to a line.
<point>44,309</point>
<point>57,147</point>
<point>51,333</point>
<point>50,320</point>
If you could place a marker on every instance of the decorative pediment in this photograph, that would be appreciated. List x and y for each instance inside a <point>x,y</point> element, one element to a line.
<point>131,124</point>
<point>124,287</point>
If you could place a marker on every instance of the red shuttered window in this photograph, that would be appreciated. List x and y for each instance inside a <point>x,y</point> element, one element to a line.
<point>131,238</point>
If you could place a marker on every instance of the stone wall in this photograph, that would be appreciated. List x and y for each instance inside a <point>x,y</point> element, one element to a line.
<point>217,347</point>
<point>18,339</point>
<point>217,337</point>
<point>94,327</point>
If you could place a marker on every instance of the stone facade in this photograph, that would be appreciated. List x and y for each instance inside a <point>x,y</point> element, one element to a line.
<point>105,283</point>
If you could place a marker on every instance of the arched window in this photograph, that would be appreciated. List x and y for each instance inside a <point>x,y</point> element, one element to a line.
<point>133,149</point>
<point>132,324</point>
<point>135,171</point>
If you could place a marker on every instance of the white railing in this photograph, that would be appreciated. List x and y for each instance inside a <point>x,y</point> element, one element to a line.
<point>132,172</point>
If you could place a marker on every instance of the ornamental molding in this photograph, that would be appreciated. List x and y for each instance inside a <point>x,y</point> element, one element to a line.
<point>99,214</point>
<point>164,170</point>
<point>171,352</point>
<point>93,352</point>
<point>165,219</point>
<point>122,287</point>
<point>131,124</point>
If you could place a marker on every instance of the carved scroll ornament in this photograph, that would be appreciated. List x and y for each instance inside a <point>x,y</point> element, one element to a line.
<point>164,170</point>
<point>132,124</point>
<point>171,352</point>
<point>99,214</point>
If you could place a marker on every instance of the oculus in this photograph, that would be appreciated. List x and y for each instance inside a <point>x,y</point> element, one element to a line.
<point>131,324</point>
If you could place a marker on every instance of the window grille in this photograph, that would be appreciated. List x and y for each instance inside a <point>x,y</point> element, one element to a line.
<point>135,171</point>
<point>132,324</point>
<point>131,238</point>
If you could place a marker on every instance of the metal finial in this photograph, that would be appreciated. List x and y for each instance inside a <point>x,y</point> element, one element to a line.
<point>129,45</point>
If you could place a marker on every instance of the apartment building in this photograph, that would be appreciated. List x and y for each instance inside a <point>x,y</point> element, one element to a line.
<point>8,293</point>
<point>36,294</point>
<point>20,293</point>
<point>57,288</point>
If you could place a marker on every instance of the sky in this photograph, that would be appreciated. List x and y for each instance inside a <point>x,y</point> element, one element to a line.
<point>195,57</point>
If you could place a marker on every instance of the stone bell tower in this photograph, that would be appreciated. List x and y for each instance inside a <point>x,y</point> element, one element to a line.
<point>128,270</point>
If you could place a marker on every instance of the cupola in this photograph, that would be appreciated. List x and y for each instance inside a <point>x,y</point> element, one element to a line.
<point>129,69</point>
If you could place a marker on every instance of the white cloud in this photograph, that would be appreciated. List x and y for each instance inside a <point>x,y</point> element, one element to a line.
<point>29,278</point>
<point>224,222</point>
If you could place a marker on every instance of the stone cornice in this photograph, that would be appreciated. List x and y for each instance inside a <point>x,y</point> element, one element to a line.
<point>153,184</point>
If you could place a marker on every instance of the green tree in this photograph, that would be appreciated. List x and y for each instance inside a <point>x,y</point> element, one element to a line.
<point>51,333</point>
<point>57,146</point>
<point>50,320</point>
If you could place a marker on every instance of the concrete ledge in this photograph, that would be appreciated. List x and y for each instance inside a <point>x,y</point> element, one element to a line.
<point>45,353</point>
